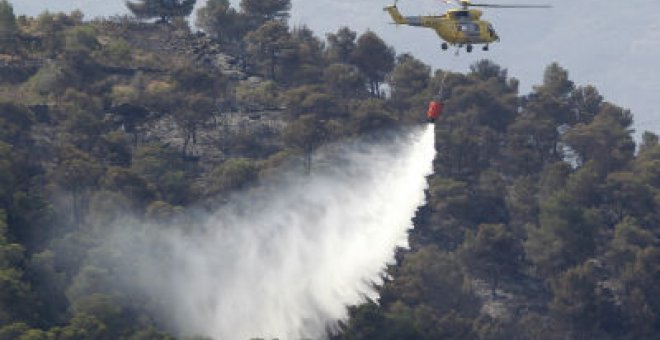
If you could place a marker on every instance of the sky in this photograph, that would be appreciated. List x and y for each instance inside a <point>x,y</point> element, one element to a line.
<point>613,45</point>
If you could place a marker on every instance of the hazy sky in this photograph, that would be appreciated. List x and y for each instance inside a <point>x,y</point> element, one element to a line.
<point>614,45</point>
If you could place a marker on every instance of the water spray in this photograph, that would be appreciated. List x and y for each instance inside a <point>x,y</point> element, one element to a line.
<point>285,259</point>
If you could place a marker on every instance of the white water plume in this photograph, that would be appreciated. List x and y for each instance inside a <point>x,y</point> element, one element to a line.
<point>285,259</point>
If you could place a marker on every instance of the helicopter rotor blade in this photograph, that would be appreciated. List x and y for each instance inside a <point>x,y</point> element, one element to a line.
<point>449,2</point>
<point>509,6</point>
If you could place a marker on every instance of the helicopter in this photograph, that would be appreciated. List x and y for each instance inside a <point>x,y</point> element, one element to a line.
<point>460,26</point>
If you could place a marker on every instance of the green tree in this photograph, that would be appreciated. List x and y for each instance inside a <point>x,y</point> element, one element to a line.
<point>367,322</point>
<point>305,135</point>
<point>649,140</point>
<point>531,144</point>
<point>266,9</point>
<point>485,69</point>
<point>81,39</point>
<point>603,140</point>
<point>587,102</point>
<point>434,278</point>
<point>310,99</point>
<point>49,285</point>
<point>166,10</point>
<point>641,303</point>
<point>556,81</point>
<point>341,45</point>
<point>492,254</point>
<point>8,27</point>
<point>626,195</point>
<point>82,326</point>
<point>553,178</point>
<point>522,204</point>
<point>464,147</point>
<point>163,169</point>
<point>372,114</point>
<point>344,81</point>
<point>257,97</point>
<point>409,78</point>
<point>221,21</point>
<point>302,60</point>
<point>629,239</point>
<point>76,173</point>
<point>233,174</point>
<point>266,45</point>
<point>22,331</point>
<point>189,113</point>
<point>374,58</point>
<point>450,210</point>
<point>564,237</point>
<point>16,299</point>
<point>582,304</point>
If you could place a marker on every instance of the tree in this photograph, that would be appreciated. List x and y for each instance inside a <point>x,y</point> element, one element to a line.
<point>233,174</point>
<point>649,141</point>
<point>221,21</point>
<point>266,44</point>
<point>189,114</point>
<point>302,60</point>
<point>341,45</point>
<point>374,58</point>
<point>531,144</point>
<point>522,204</point>
<point>587,103</point>
<point>372,114</point>
<point>16,300</point>
<point>8,27</point>
<point>162,168</point>
<point>368,322</point>
<point>77,172</point>
<point>626,195</point>
<point>305,135</point>
<point>584,305</point>
<point>266,10</point>
<point>465,148</point>
<point>344,81</point>
<point>564,238</point>
<point>409,78</point>
<point>82,326</point>
<point>494,253</point>
<point>629,239</point>
<point>641,303</point>
<point>433,278</point>
<point>311,100</point>
<point>604,141</point>
<point>556,82</point>
<point>485,69</point>
<point>493,101</point>
<point>257,97</point>
<point>166,10</point>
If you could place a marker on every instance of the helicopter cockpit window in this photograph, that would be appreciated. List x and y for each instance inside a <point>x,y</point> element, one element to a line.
<point>491,30</point>
<point>468,27</point>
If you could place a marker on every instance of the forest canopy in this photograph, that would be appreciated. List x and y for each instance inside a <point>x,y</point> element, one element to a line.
<point>542,219</point>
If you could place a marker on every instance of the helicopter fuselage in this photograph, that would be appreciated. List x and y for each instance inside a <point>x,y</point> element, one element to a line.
<point>456,26</point>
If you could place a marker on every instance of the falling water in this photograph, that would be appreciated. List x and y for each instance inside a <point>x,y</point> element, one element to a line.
<point>285,259</point>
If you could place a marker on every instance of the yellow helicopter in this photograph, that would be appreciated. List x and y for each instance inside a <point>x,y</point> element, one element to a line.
<point>458,26</point>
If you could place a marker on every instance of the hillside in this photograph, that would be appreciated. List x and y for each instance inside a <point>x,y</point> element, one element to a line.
<point>541,219</point>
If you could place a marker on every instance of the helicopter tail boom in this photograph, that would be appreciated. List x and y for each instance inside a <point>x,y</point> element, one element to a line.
<point>400,19</point>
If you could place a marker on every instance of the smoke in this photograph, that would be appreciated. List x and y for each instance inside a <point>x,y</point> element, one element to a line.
<point>285,259</point>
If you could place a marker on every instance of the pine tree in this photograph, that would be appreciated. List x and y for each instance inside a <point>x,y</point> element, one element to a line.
<point>8,27</point>
<point>163,9</point>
